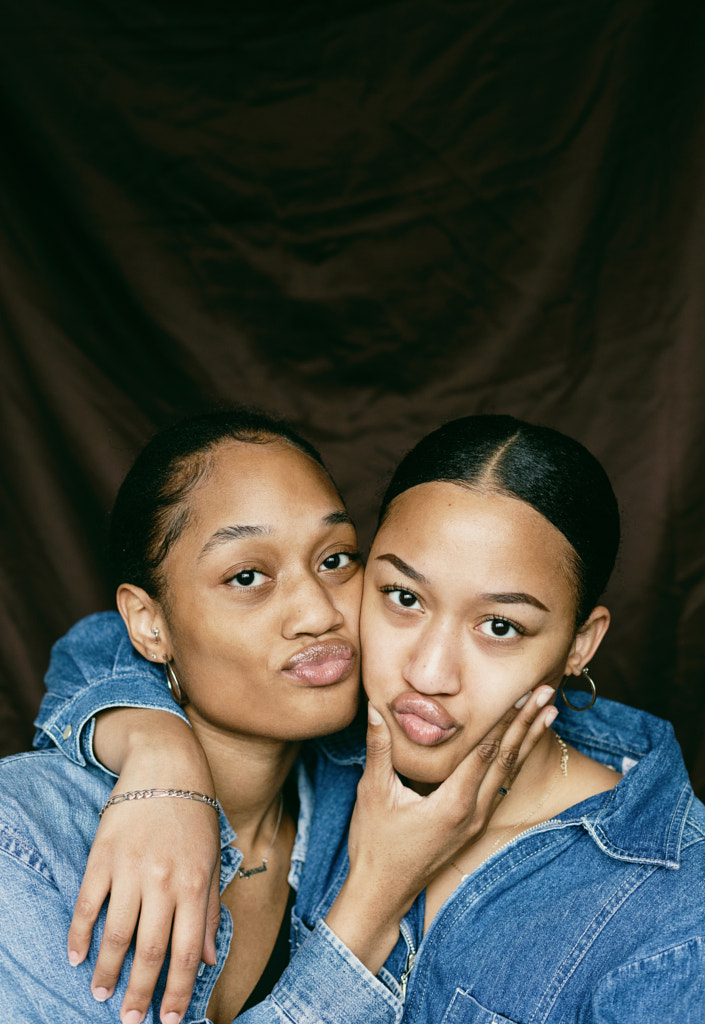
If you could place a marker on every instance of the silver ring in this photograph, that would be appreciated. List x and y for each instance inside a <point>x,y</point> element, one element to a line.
<point>502,791</point>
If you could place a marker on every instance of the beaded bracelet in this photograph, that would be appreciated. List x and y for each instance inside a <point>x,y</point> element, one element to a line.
<point>145,794</point>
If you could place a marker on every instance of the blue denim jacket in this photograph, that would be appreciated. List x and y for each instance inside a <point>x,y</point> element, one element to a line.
<point>595,916</point>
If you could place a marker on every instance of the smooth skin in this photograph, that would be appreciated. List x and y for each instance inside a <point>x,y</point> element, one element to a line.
<point>260,573</point>
<point>469,599</point>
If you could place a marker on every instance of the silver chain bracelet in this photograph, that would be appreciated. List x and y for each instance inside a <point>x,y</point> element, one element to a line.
<point>145,794</point>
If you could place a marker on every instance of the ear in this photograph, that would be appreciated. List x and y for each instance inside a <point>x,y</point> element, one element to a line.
<point>587,640</point>
<point>145,622</point>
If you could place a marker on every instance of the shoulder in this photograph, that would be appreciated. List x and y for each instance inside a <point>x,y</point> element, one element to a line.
<point>667,984</point>
<point>50,802</point>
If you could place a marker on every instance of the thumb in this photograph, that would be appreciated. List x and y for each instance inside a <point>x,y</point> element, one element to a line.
<point>379,745</point>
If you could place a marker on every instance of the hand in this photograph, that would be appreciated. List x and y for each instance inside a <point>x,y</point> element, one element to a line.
<point>159,860</point>
<point>399,841</point>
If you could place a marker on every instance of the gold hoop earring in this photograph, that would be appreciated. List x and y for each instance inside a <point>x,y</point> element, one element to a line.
<point>174,687</point>
<point>593,692</point>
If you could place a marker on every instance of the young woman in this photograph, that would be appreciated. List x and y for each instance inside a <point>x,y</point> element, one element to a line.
<point>582,901</point>
<point>240,577</point>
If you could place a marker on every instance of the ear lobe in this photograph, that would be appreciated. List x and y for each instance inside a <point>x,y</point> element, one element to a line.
<point>587,640</point>
<point>144,620</point>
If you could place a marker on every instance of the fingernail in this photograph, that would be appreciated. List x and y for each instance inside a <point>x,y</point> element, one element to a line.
<point>550,717</point>
<point>171,1018</point>
<point>132,1017</point>
<point>543,698</point>
<point>522,700</point>
<point>373,715</point>
<point>74,958</point>
<point>101,994</point>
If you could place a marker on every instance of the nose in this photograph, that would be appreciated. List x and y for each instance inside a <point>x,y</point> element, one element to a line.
<point>311,609</point>
<point>434,664</point>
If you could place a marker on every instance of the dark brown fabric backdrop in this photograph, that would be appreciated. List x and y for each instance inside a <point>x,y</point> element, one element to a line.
<point>369,217</point>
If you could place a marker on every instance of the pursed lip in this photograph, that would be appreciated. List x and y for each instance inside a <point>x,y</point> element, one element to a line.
<point>422,719</point>
<point>322,663</point>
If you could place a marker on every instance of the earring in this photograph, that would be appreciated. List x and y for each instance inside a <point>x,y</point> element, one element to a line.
<point>174,687</point>
<point>155,634</point>
<point>593,692</point>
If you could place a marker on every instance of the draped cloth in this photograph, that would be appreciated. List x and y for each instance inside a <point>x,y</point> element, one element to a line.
<point>368,217</point>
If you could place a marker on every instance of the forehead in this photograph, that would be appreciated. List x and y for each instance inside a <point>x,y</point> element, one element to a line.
<point>444,529</point>
<point>256,483</point>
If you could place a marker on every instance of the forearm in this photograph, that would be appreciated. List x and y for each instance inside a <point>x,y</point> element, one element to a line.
<point>155,748</point>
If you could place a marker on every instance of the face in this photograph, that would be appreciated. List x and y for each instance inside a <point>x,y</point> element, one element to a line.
<point>468,605</point>
<point>263,597</point>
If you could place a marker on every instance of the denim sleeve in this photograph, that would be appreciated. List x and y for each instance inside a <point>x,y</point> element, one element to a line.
<point>37,983</point>
<point>667,986</point>
<point>326,984</point>
<point>92,668</point>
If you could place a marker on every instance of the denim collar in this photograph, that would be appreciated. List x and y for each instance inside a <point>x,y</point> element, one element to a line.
<point>642,819</point>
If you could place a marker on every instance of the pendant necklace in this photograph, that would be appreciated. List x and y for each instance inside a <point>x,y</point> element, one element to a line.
<point>562,770</point>
<point>249,872</point>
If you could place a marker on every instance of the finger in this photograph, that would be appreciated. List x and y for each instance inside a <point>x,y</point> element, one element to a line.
<point>185,958</point>
<point>91,897</point>
<point>209,954</point>
<point>151,944</point>
<point>520,737</point>
<point>498,757</point>
<point>379,747</point>
<point>120,924</point>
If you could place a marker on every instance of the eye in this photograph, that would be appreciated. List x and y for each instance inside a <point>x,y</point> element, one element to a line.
<point>247,578</point>
<point>401,597</point>
<point>500,629</point>
<point>339,560</point>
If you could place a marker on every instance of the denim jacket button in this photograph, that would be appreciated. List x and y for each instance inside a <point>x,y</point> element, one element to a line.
<point>67,731</point>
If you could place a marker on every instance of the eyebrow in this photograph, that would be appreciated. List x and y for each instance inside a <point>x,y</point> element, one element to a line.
<point>243,532</point>
<point>511,597</point>
<point>402,566</point>
<point>514,598</point>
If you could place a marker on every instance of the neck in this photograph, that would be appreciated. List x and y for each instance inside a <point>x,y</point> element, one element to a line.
<point>248,772</point>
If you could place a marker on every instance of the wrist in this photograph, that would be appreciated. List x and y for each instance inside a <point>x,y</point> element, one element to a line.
<point>363,919</point>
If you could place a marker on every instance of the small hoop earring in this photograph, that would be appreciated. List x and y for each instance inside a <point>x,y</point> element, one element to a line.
<point>593,692</point>
<point>155,634</point>
<point>174,687</point>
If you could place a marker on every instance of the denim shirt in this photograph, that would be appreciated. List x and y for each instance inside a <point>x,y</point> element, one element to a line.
<point>595,916</point>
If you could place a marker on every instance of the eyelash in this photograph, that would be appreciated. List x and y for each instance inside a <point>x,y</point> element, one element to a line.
<point>521,630</point>
<point>395,588</point>
<point>353,557</point>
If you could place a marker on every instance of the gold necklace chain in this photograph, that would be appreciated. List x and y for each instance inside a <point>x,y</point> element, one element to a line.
<point>561,770</point>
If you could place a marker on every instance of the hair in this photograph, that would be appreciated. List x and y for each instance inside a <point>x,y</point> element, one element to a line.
<point>152,509</point>
<point>553,473</point>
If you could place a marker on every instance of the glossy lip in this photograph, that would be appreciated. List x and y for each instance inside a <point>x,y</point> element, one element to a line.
<point>323,663</point>
<point>422,719</point>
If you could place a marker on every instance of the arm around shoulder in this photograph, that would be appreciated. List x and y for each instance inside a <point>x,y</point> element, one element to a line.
<point>94,667</point>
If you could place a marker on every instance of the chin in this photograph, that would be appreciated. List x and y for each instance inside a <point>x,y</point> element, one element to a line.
<point>422,768</point>
<point>340,711</point>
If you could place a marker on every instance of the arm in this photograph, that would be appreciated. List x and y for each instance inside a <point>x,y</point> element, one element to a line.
<point>36,981</point>
<point>160,865</point>
<point>398,842</point>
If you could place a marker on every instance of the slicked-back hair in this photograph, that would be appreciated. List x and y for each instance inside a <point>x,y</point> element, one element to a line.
<point>553,473</point>
<point>152,507</point>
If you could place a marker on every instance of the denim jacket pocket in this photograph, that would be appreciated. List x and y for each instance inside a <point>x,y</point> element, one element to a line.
<point>464,1009</point>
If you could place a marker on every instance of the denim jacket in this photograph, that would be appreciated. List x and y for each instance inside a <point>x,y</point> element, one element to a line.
<point>595,916</point>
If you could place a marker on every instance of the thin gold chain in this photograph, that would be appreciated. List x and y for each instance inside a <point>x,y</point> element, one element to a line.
<point>561,770</point>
